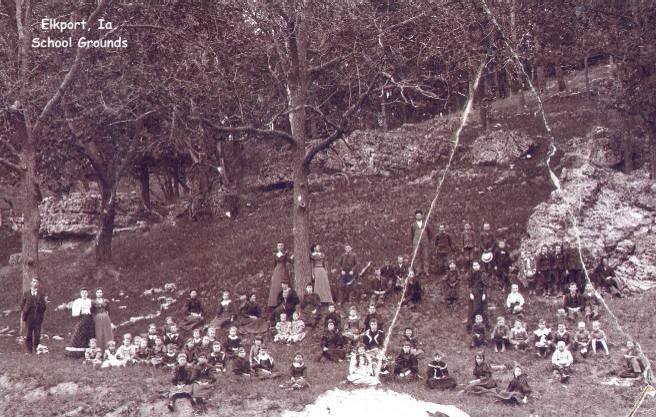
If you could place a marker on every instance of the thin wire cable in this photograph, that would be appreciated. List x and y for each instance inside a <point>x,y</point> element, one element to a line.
<point>556,182</point>
<point>465,115</point>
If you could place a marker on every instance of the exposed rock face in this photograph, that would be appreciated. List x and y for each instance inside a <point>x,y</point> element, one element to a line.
<point>501,147</point>
<point>78,214</point>
<point>606,147</point>
<point>616,216</point>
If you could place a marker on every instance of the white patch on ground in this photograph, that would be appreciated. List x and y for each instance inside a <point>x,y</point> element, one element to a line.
<point>372,402</point>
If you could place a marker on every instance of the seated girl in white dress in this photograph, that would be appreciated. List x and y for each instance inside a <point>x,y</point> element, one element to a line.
<point>361,370</point>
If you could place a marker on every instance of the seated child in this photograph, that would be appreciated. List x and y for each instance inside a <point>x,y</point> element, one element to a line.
<point>361,368</point>
<point>110,359</point>
<point>332,344</point>
<point>190,351</point>
<point>451,284</point>
<point>590,302</point>
<point>205,345</point>
<point>413,292</point>
<point>542,337</point>
<point>582,339</point>
<point>518,389</point>
<point>171,356</point>
<point>240,364</point>
<point>311,307</point>
<point>373,338</point>
<point>380,287</point>
<point>182,379</point>
<point>197,337</point>
<point>634,365</point>
<point>519,338</point>
<point>561,316</point>
<point>262,365</point>
<point>93,355</point>
<point>573,303</point>
<point>172,337</point>
<point>211,335</point>
<point>157,353</point>
<point>437,374</point>
<point>483,373</point>
<point>500,335</point>
<point>297,331</point>
<point>409,336</point>
<point>406,365</point>
<point>202,378</point>
<point>217,358</point>
<point>168,322</point>
<point>152,334</point>
<point>373,314</point>
<point>478,332</point>
<point>125,352</point>
<point>143,353</point>
<point>515,301</point>
<point>258,343</point>
<point>561,335</point>
<point>333,316</point>
<point>598,338</point>
<point>283,330</point>
<point>297,371</point>
<point>233,342</point>
<point>353,326</point>
<point>561,361</point>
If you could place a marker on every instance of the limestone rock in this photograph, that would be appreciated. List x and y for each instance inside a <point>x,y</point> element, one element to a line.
<point>500,147</point>
<point>606,150</point>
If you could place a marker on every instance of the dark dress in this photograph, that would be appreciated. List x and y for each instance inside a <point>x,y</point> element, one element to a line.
<point>225,316</point>
<point>85,328</point>
<point>486,383</point>
<point>333,342</point>
<point>280,274</point>
<point>102,322</point>
<point>406,362</point>
<point>250,319</point>
<point>437,376</point>
<point>517,389</point>
<point>194,306</point>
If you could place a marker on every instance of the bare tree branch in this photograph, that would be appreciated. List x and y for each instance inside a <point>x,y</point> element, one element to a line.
<point>266,133</point>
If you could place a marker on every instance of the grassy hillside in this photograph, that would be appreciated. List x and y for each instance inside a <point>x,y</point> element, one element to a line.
<point>373,215</point>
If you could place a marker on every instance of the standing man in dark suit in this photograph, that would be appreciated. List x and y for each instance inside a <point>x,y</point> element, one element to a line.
<point>33,308</point>
<point>347,264</point>
<point>423,240</point>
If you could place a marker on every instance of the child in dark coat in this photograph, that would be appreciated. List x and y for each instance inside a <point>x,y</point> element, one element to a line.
<point>332,344</point>
<point>182,379</point>
<point>406,365</point>
<point>437,374</point>
<point>451,284</point>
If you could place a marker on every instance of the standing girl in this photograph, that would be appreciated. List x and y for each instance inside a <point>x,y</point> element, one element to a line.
<point>320,274</point>
<point>102,322</point>
<point>282,263</point>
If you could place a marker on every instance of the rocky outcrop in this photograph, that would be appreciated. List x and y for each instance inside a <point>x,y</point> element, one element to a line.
<point>615,216</point>
<point>501,147</point>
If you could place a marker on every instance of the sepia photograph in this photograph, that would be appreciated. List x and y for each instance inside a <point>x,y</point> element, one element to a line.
<point>327,208</point>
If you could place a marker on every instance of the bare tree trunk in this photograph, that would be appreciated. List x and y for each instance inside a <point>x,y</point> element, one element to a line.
<point>384,112</point>
<point>297,93</point>
<point>144,183</point>
<point>627,150</point>
<point>587,75</point>
<point>560,76</point>
<point>30,208</point>
<point>541,81</point>
<point>107,216</point>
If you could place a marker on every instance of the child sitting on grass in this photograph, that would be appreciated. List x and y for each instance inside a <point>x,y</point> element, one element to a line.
<point>353,326</point>
<point>190,351</point>
<point>203,379</point>
<point>152,334</point>
<point>409,336</point>
<point>582,340</point>
<point>515,301</point>
<point>143,353</point>
<point>406,365</point>
<point>561,335</point>
<point>332,344</point>
<point>634,365</point>
<point>297,331</point>
<point>171,356</point>
<point>233,342</point>
<point>518,389</point>
<point>93,355</point>
<point>333,316</point>
<point>240,365</point>
<point>110,358</point>
<point>217,358</point>
<point>283,330</point>
<point>197,337</point>
<point>542,337</point>
<point>371,315</point>
<point>157,353</point>
<point>478,332</point>
<point>573,303</point>
<point>500,335</point>
<point>297,372</point>
<point>125,352</point>
<point>561,361</point>
<point>182,379</point>
<point>598,338</point>
<point>262,365</point>
<point>590,302</point>
<point>373,338</point>
<point>437,374</point>
<point>172,337</point>
<point>519,338</point>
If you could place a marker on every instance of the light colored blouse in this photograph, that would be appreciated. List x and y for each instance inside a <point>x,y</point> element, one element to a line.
<point>81,306</point>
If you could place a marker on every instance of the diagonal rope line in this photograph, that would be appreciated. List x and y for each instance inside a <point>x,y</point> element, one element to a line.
<point>556,182</point>
<point>465,115</point>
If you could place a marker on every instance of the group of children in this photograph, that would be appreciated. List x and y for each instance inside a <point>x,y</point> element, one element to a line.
<point>197,361</point>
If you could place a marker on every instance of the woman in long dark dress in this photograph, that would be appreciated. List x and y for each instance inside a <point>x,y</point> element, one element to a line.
<point>194,312</point>
<point>320,275</point>
<point>85,327</point>
<point>250,317</point>
<point>484,383</point>
<point>282,264</point>
<point>102,322</point>
<point>518,389</point>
